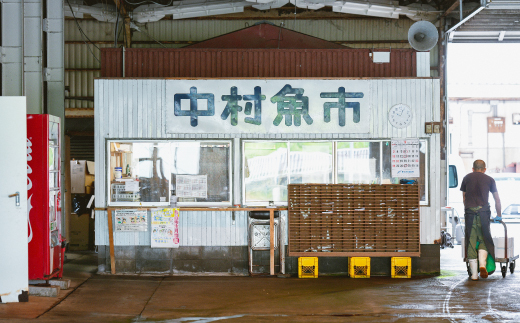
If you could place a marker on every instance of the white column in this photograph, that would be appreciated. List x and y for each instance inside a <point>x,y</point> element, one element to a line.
<point>54,76</point>
<point>12,47</point>
<point>32,55</point>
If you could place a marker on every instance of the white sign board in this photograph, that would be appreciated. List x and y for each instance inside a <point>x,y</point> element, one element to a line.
<point>165,228</point>
<point>131,220</point>
<point>268,106</point>
<point>191,186</point>
<point>405,158</point>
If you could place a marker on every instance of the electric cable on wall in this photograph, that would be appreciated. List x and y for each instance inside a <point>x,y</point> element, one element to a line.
<point>83,34</point>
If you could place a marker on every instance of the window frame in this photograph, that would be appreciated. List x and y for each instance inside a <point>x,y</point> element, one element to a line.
<point>108,194</point>
<point>335,142</point>
<point>357,140</point>
<point>288,174</point>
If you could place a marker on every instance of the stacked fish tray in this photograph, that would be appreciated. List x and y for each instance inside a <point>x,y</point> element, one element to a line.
<point>354,220</point>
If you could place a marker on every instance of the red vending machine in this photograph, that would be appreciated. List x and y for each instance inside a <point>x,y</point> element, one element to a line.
<point>46,247</point>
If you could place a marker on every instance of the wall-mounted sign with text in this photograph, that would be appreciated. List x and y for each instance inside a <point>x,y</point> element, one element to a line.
<point>131,220</point>
<point>165,228</point>
<point>267,106</point>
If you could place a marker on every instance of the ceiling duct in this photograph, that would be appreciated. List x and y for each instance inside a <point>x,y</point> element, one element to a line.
<point>204,8</point>
<point>100,11</point>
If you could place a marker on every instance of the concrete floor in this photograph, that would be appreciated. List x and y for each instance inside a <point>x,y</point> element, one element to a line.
<point>450,297</point>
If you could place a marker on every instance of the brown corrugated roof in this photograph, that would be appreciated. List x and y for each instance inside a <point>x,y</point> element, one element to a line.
<point>266,35</point>
<point>254,63</point>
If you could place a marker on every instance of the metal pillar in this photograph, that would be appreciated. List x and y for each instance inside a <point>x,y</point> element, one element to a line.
<point>12,47</point>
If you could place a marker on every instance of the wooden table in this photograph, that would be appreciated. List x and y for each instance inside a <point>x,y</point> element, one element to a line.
<point>220,209</point>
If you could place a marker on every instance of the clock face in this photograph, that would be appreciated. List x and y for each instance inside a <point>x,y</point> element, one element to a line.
<point>400,115</point>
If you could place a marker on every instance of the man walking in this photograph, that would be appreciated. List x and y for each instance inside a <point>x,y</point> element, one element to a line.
<point>475,189</point>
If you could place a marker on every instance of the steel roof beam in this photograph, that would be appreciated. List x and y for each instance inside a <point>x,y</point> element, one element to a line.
<point>473,13</point>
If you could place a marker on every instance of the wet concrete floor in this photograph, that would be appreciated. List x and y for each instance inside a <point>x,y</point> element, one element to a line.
<point>450,297</point>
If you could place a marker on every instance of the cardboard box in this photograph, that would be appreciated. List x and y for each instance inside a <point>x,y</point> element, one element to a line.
<point>82,176</point>
<point>78,232</point>
<point>500,247</point>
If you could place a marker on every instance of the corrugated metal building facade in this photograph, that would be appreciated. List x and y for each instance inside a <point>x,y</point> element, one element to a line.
<point>212,235</point>
<point>82,66</point>
<point>135,109</point>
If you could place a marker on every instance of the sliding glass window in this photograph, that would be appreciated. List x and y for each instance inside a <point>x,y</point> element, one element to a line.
<point>310,162</point>
<point>358,162</point>
<point>159,172</point>
<point>267,170</point>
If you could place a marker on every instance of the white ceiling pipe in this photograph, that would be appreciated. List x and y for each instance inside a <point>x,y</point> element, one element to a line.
<point>367,10</point>
<point>101,12</point>
<point>187,9</point>
<point>204,8</point>
<point>262,5</point>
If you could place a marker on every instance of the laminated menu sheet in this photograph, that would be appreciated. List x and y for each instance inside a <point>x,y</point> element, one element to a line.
<point>165,228</point>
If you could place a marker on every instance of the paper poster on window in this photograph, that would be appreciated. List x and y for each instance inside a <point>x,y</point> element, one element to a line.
<point>131,186</point>
<point>165,228</point>
<point>405,158</point>
<point>192,186</point>
<point>131,220</point>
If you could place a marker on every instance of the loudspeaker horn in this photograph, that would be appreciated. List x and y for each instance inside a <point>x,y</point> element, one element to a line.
<point>423,35</point>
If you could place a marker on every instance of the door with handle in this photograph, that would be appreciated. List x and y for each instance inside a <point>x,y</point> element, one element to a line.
<point>16,198</point>
<point>14,268</point>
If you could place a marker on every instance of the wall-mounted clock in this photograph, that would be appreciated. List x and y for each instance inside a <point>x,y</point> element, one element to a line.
<point>400,115</point>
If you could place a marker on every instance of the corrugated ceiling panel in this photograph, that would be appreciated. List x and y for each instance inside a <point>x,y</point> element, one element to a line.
<point>78,55</point>
<point>93,29</point>
<point>199,30</point>
<point>80,85</point>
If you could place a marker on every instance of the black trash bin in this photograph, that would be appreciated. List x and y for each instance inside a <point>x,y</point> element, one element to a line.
<point>262,215</point>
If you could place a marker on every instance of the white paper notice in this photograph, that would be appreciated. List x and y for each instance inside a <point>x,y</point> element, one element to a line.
<point>165,228</point>
<point>192,186</point>
<point>132,186</point>
<point>405,158</point>
<point>131,220</point>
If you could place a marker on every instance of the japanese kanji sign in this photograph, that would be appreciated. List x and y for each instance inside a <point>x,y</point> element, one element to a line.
<point>405,158</point>
<point>267,106</point>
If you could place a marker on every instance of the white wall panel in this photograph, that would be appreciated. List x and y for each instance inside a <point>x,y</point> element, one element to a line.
<point>133,108</point>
